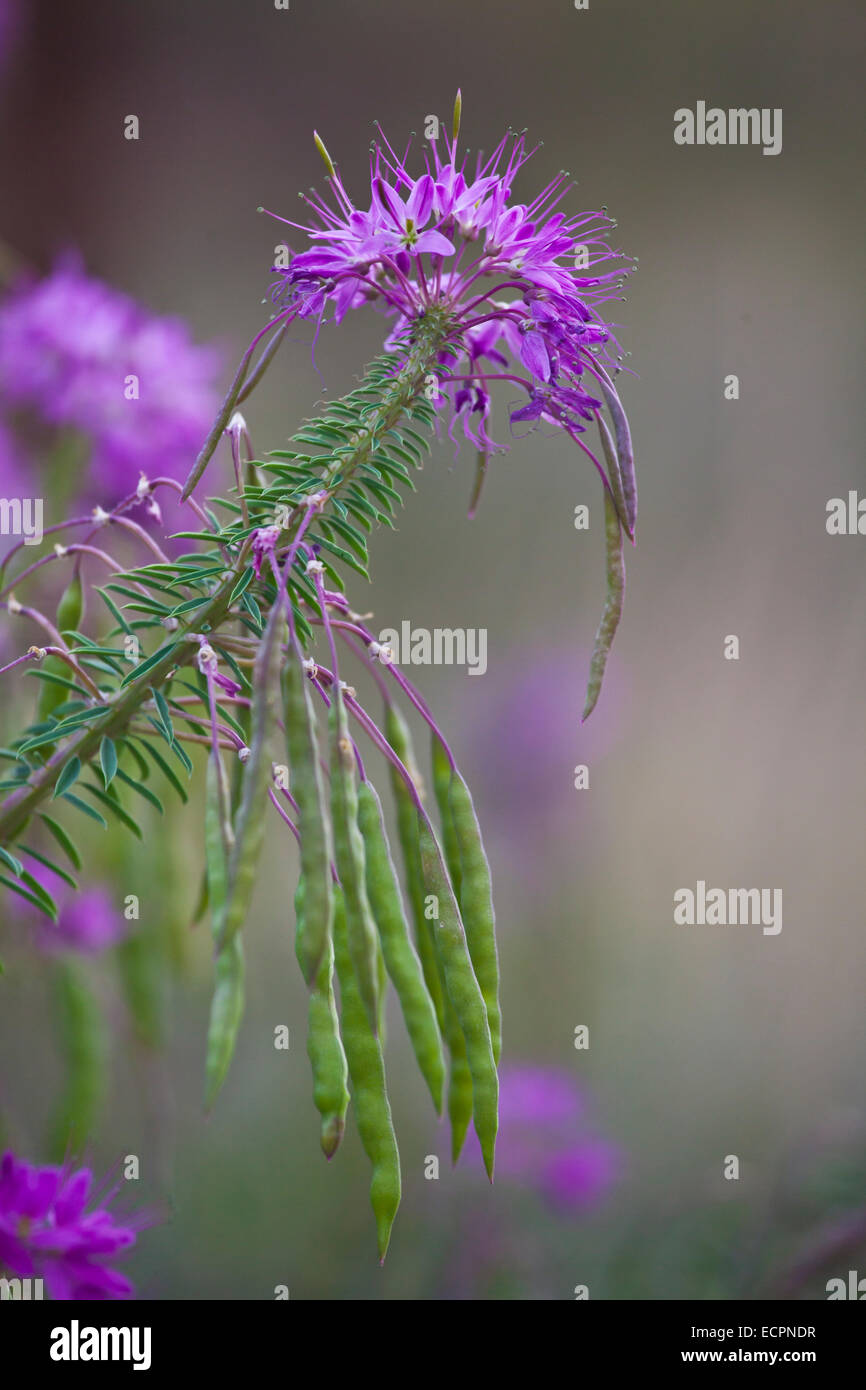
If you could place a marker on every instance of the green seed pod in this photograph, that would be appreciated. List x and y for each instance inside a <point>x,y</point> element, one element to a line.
<point>459,1083</point>
<point>397,734</point>
<point>84,1047</point>
<point>464,993</point>
<point>227,1005</point>
<point>476,904</point>
<point>325,1047</point>
<point>367,1072</point>
<point>314,926</point>
<point>249,830</point>
<point>401,960</point>
<point>612,606</point>
<point>227,1008</point>
<point>441,790</point>
<point>70,611</point>
<point>349,854</point>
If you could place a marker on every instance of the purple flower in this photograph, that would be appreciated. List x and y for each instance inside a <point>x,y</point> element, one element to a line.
<point>13,478</point>
<point>546,1143</point>
<point>87,923</point>
<point>450,244</point>
<point>80,355</point>
<point>47,1233</point>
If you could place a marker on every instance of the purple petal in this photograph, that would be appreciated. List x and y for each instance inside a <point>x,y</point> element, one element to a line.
<point>420,201</point>
<point>435,243</point>
<point>531,411</point>
<point>14,1255</point>
<point>391,204</point>
<point>534,355</point>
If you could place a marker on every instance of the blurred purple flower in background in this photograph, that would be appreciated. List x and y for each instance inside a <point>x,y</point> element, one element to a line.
<point>83,356</point>
<point>88,923</point>
<point>9,17</point>
<point>530,713</point>
<point>546,1143</point>
<point>13,476</point>
<point>46,1233</point>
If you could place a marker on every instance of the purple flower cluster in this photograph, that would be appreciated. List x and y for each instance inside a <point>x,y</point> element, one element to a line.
<point>47,1233</point>
<point>518,285</point>
<point>82,356</point>
<point>545,1142</point>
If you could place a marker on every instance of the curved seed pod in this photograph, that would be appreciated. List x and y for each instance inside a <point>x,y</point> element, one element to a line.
<point>401,961</point>
<point>441,790</point>
<point>83,1044</point>
<point>250,820</point>
<point>227,1008</point>
<point>464,993</point>
<point>625,452</point>
<point>70,611</point>
<point>382,986</point>
<point>613,472</point>
<point>228,998</point>
<point>313,927</point>
<point>367,1072</point>
<point>476,904</point>
<point>324,1045</point>
<point>459,1082</point>
<point>397,734</point>
<point>349,854</point>
<point>612,607</point>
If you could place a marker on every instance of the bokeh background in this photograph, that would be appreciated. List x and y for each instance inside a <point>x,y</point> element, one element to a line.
<point>704,1042</point>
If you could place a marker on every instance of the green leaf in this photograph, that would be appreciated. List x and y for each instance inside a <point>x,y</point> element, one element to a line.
<point>11,862</point>
<point>67,777</point>
<point>68,846</point>
<point>189,604</point>
<point>49,864</point>
<point>52,679</point>
<point>108,761</point>
<point>115,611</point>
<point>113,805</point>
<point>83,806</point>
<point>255,612</point>
<point>142,791</point>
<point>242,584</point>
<point>49,906</point>
<point>144,666</point>
<point>167,771</point>
<point>342,554</point>
<point>33,900</point>
<point>140,762</point>
<point>164,715</point>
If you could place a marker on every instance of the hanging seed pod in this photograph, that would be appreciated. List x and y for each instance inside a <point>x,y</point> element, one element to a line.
<point>349,854</point>
<point>441,790</point>
<point>459,1082</point>
<point>612,607</point>
<point>324,1045</point>
<point>397,733</point>
<point>369,1094</point>
<point>476,904</point>
<point>401,961</point>
<point>249,830</point>
<point>227,1005</point>
<point>464,993</point>
<point>70,611</point>
<point>83,1045</point>
<point>313,926</point>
